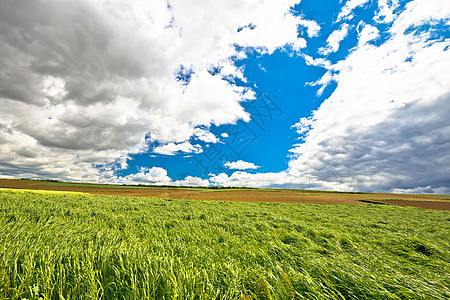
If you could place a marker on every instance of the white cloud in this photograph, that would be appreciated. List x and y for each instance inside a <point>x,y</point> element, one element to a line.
<point>192,181</point>
<point>240,165</point>
<point>173,148</point>
<point>422,190</point>
<point>89,79</point>
<point>205,136</point>
<point>312,27</point>
<point>386,125</point>
<point>154,175</point>
<point>244,179</point>
<point>367,34</point>
<point>347,11</point>
<point>334,40</point>
<point>386,11</point>
<point>322,82</point>
<point>158,176</point>
<point>320,61</point>
<point>419,12</point>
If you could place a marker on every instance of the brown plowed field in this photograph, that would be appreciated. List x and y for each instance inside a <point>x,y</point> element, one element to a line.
<point>440,205</point>
<point>243,195</point>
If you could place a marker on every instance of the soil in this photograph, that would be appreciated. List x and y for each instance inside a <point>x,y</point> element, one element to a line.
<point>440,205</point>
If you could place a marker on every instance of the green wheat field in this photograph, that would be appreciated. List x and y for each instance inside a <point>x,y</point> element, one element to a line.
<point>60,245</point>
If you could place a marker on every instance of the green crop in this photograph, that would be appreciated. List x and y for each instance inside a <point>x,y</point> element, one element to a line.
<point>81,246</point>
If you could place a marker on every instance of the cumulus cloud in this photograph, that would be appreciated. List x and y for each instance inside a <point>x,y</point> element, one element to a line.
<point>322,82</point>
<point>154,175</point>
<point>334,40</point>
<point>385,13</point>
<point>347,11</point>
<point>205,136</point>
<point>240,165</point>
<point>421,12</point>
<point>242,179</point>
<point>367,33</point>
<point>312,28</point>
<point>192,181</point>
<point>173,148</point>
<point>83,82</point>
<point>386,125</point>
<point>158,176</point>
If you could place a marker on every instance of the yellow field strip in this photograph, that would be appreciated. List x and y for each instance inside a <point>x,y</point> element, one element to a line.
<point>39,191</point>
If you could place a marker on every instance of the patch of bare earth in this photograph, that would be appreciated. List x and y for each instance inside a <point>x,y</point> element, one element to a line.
<point>440,205</point>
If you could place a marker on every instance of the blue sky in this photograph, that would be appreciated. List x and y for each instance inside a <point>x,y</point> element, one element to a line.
<point>281,76</point>
<point>279,82</point>
<point>342,95</point>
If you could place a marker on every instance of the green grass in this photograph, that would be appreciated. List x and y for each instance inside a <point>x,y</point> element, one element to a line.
<point>80,246</point>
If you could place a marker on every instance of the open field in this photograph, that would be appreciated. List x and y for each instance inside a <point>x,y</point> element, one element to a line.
<point>59,245</point>
<point>242,195</point>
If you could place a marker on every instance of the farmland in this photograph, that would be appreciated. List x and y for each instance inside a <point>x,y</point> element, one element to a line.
<point>70,245</point>
<point>441,202</point>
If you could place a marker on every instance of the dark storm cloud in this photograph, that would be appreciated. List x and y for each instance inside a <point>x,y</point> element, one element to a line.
<point>65,39</point>
<point>409,151</point>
